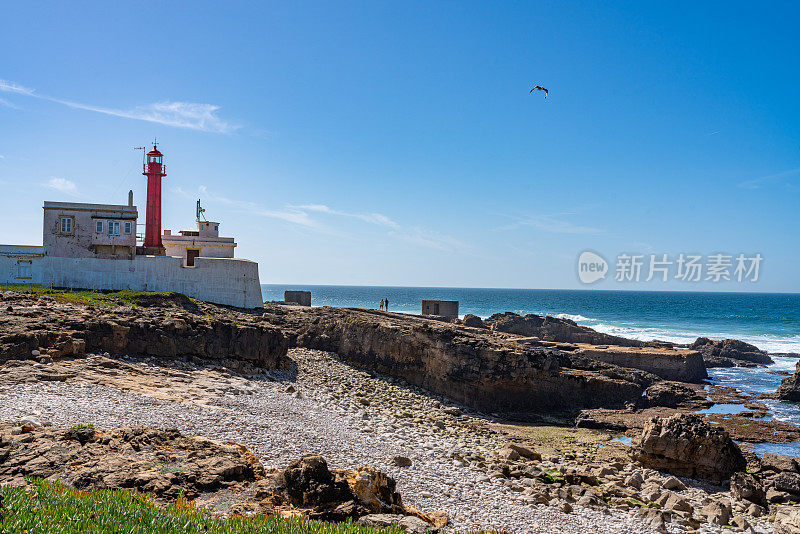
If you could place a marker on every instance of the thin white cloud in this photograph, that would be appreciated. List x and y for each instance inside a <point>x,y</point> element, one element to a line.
<point>550,224</point>
<point>302,215</point>
<point>289,215</point>
<point>11,87</point>
<point>373,218</point>
<point>194,116</point>
<point>756,183</point>
<point>62,185</point>
<point>430,239</point>
<point>6,103</point>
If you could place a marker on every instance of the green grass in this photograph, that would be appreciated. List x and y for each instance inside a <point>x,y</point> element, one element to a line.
<point>90,426</point>
<point>97,297</point>
<point>53,508</point>
<point>172,467</point>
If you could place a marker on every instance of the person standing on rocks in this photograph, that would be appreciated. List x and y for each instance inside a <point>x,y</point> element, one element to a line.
<point>386,304</point>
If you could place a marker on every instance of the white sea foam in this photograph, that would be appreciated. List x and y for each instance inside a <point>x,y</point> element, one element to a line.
<point>573,317</point>
<point>769,343</point>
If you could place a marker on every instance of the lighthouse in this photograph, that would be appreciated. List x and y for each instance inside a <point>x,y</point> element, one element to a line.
<point>154,170</point>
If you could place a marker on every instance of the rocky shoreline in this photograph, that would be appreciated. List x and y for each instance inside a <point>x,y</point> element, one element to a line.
<point>408,396</point>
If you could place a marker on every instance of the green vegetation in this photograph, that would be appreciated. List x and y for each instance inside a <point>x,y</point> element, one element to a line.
<point>172,467</point>
<point>551,476</point>
<point>553,440</point>
<point>50,508</point>
<point>90,426</point>
<point>97,297</point>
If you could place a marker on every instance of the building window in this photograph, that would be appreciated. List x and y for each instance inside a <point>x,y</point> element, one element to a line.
<point>99,227</point>
<point>128,226</point>
<point>66,225</point>
<point>24,269</point>
<point>113,227</point>
<point>216,228</point>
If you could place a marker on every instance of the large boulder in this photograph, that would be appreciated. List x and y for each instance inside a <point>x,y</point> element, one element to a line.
<point>775,462</point>
<point>673,394</point>
<point>685,445</point>
<point>746,487</point>
<point>473,320</point>
<point>309,486</point>
<point>788,482</point>
<point>730,353</point>
<point>790,387</point>
<point>309,482</point>
<point>787,520</point>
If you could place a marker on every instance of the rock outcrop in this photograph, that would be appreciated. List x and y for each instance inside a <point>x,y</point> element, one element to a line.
<point>685,445</point>
<point>478,369</point>
<point>665,362</point>
<point>309,486</point>
<point>218,475</point>
<point>787,520</point>
<point>658,358</point>
<point>473,321</point>
<point>790,387</point>
<point>549,328</point>
<point>730,353</point>
<point>168,327</point>
<point>161,462</point>
<point>746,487</point>
<point>674,394</point>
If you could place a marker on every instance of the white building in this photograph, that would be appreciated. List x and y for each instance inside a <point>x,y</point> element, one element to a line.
<point>73,230</point>
<point>94,246</point>
<point>204,242</point>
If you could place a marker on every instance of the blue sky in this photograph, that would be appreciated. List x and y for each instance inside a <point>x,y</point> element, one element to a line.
<point>397,144</point>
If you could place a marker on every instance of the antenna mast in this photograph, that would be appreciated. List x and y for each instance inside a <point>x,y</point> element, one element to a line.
<point>200,211</point>
<point>142,149</point>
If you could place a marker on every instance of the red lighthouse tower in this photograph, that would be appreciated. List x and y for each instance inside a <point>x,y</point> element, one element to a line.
<point>154,170</point>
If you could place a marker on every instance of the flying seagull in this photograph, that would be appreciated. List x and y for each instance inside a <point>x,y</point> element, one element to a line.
<point>540,88</point>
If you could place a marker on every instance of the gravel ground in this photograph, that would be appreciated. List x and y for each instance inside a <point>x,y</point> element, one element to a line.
<point>347,416</point>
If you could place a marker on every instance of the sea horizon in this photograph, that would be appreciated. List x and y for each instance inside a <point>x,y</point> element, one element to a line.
<point>300,286</point>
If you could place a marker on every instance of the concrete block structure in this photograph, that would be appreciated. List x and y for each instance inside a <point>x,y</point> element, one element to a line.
<point>444,308</point>
<point>303,298</point>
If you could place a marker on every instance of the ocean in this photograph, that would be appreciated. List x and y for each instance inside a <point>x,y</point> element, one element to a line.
<point>770,321</point>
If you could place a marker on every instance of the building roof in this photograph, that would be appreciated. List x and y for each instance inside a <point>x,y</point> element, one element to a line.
<point>80,206</point>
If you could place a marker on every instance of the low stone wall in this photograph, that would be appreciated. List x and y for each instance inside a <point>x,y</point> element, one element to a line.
<point>227,281</point>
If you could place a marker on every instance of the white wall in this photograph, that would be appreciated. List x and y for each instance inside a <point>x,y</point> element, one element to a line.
<point>11,255</point>
<point>228,281</point>
<point>207,249</point>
